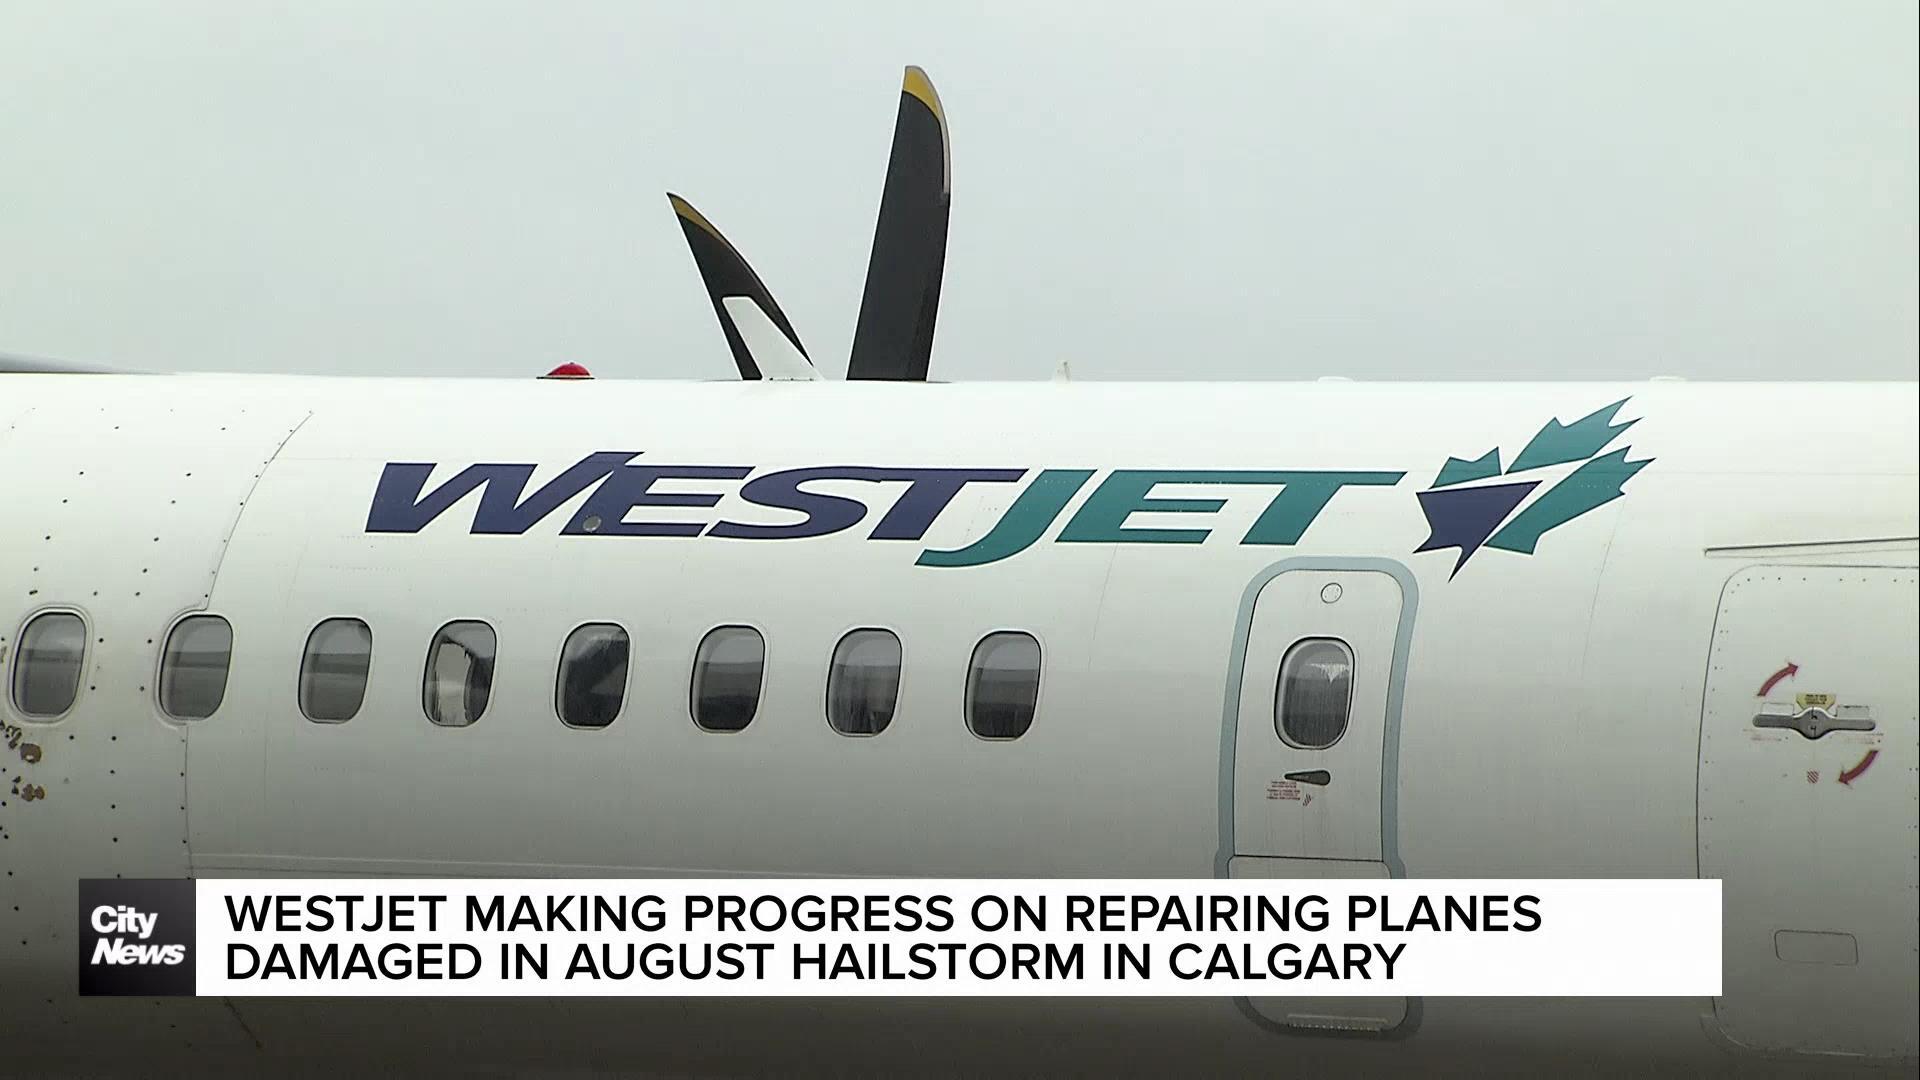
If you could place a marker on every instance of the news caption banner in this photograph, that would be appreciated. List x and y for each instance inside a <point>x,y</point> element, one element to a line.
<point>889,937</point>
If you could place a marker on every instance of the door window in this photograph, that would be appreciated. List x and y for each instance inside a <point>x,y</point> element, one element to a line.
<point>1314,698</point>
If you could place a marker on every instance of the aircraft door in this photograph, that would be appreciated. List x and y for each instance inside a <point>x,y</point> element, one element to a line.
<point>1313,705</point>
<point>1807,792</point>
<point>1310,732</point>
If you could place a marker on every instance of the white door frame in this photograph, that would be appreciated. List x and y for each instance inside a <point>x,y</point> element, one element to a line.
<point>1396,687</point>
<point>1410,1010</point>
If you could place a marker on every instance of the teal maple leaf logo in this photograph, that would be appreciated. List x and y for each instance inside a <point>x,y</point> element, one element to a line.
<point>1467,515</point>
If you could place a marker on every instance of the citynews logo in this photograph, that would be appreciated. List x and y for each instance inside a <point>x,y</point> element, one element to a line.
<point>136,936</point>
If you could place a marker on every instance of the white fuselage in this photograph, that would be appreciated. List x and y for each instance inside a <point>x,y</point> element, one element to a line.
<point>1583,709</point>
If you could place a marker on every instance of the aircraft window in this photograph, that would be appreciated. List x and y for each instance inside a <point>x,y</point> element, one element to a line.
<point>333,673</point>
<point>593,676</point>
<point>726,678</point>
<point>459,673</point>
<point>863,685</point>
<point>47,664</point>
<point>1315,693</point>
<point>193,669</point>
<point>1003,685</point>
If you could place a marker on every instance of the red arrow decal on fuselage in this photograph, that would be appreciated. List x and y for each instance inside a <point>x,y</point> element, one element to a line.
<point>1787,672</point>
<point>1853,774</point>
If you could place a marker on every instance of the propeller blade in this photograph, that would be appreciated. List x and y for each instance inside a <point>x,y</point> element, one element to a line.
<point>894,337</point>
<point>765,347</point>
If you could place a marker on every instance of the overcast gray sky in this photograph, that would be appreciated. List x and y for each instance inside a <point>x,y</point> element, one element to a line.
<point>1186,190</point>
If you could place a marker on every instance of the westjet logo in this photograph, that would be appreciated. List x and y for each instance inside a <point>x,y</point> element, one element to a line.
<point>407,500</point>
<point>136,937</point>
<point>1471,504</point>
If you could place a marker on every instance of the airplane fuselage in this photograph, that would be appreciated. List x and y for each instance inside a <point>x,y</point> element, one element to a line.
<point>1556,609</point>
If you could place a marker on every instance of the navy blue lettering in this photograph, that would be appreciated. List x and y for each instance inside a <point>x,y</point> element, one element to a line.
<point>933,490</point>
<point>826,514</point>
<point>399,508</point>
<point>605,511</point>
<point>929,492</point>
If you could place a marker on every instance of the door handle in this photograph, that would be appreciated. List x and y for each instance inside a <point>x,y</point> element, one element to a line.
<point>1311,776</point>
<point>1814,722</point>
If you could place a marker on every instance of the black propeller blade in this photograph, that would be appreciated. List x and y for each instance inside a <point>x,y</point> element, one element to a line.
<point>728,277</point>
<point>894,337</point>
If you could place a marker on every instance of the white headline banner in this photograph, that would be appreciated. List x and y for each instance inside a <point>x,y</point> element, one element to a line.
<point>956,937</point>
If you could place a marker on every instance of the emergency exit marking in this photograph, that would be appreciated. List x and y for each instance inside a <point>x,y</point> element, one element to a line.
<point>1850,775</point>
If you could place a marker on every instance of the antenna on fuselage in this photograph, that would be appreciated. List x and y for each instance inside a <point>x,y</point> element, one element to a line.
<point>893,338</point>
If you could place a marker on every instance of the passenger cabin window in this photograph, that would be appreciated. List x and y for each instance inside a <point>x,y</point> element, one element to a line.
<point>459,673</point>
<point>1003,685</point>
<point>47,664</point>
<point>1315,693</point>
<point>863,685</point>
<point>333,671</point>
<point>726,678</point>
<point>193,668</point>
<point>593,676</point>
